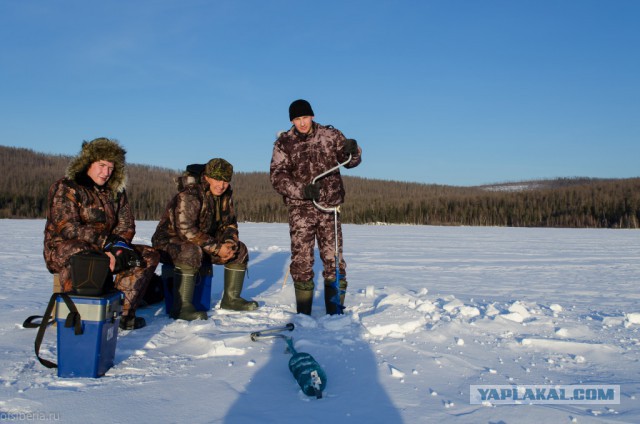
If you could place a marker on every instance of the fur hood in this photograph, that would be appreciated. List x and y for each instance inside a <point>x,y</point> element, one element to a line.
<point>96,150</point>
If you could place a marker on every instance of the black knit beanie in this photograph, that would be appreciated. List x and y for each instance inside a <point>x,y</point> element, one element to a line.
<point>300,108</point>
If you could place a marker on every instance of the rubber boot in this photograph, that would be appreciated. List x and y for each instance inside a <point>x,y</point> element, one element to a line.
<point>184,282</point>
<point>330,292</point>
<point>304,296</point>
<point>233,282</point>
<point>131,322</point>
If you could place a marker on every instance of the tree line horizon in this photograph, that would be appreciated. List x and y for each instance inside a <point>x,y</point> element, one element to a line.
<point>562,202</point>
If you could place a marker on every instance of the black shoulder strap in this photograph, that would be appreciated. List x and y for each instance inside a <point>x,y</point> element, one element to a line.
<point>116,202</point>
<point>29,322</point>
<point>73,320</point>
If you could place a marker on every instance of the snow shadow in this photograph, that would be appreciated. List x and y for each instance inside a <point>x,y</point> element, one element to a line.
<point>265,271</point>
<point>353,392</point>
<point>129,342</point>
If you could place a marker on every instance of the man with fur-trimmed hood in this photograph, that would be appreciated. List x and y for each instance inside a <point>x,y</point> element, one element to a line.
<point>88,210</point>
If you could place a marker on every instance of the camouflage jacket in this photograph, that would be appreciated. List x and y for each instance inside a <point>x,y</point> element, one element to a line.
<point>78,210</point>
<point>196,215</point>
<point>298,158</point>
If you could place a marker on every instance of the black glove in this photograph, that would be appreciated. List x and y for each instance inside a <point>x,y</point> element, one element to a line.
<point>113,239</point>
<point>126,256</point>
<point>312,191</point>
<point>350,146</point>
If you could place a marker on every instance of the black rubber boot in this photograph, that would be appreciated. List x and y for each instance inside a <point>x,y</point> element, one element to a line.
<point>184,282</point>
<point>131,322</point>
<point>304,296</point>
<point>330,292</point>
<point>233,282</point>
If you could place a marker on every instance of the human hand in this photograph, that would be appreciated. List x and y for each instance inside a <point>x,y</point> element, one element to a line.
<point>227,251</point>
<point>121,254</point>
<point>120,261</point>
<point>350,146</point>
<point>112,260</point>
<point>312,191</point>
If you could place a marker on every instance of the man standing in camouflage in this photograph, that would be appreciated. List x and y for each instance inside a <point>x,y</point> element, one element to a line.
<point>88,210</point>
<point>200,226</point>
<point>307,150</point>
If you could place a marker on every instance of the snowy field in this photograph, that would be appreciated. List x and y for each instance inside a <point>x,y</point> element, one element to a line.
<point>431,311</point>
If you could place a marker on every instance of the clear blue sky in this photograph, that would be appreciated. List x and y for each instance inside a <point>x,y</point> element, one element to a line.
<point>456,92</point>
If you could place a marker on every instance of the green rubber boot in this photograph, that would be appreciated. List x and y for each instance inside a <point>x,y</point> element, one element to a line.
<point>304,296</point>
<point>330,292</point>
<point>233,282</point>
<point>184,283</point>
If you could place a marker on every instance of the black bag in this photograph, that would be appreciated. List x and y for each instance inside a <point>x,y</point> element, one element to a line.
<point>90,273</point>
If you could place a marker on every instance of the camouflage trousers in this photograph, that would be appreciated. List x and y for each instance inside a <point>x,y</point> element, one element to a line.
<point>132,282</point>
<point>189,254</point>
<point>308,224</point>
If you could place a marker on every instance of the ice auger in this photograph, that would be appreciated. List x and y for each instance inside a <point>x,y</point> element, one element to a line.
<point>305,369</point>
<point>335,299</point>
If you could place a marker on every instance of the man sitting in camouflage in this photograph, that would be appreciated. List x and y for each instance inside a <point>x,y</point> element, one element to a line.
<point>200,225</point>
<point>88,210</point>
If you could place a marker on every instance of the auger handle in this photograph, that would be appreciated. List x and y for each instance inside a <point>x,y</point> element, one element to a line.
<point>335,209</point>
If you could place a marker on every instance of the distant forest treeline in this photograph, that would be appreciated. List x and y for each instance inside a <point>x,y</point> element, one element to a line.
<point>26,175</point>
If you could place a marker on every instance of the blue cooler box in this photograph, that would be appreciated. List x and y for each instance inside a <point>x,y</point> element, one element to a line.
<point>201,293</point>
<point>91,353</point>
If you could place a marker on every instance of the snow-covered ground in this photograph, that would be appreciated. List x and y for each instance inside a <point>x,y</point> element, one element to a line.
<point>431,311</point>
